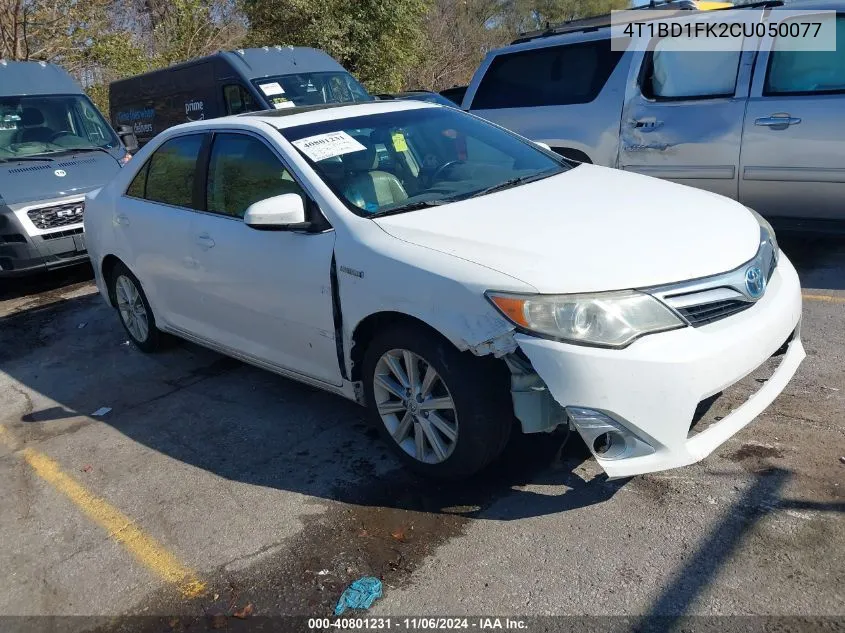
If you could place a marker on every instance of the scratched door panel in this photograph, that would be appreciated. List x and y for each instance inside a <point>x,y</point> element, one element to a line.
<point>682,118</point>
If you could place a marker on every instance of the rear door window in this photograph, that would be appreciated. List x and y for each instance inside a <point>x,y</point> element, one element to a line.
<point>554,75</point>
<point>792,72</point>
<point>173,170</point>
<point>672,74</point>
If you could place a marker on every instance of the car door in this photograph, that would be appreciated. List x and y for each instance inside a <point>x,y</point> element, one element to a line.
<point>683,112</point>
<point>263,294</point>
<point>793,161</point>
<point>152,221</point>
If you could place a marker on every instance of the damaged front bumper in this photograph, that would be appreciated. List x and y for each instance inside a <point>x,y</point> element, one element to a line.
<point>634,407</point>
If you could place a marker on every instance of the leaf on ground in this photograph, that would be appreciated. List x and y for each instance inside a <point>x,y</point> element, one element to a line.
<point>244,613</point>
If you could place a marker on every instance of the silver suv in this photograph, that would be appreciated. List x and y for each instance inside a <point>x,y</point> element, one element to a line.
<point>763,126</point>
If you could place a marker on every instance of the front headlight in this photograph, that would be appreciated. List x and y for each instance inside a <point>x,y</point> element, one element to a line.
<point>605,319</point>
<point>769,248</point>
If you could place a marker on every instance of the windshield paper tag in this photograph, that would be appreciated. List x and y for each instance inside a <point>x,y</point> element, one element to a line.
<point>272,89</point>
<point>329,145</point>
<point>399,142</point>
<point>283,104</point>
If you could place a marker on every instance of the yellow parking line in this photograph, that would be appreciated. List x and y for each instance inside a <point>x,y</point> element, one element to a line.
<point>120,527</point>
<point>827,298</point>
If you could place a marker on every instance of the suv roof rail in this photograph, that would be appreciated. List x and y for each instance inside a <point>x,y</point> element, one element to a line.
<point>596,22</point>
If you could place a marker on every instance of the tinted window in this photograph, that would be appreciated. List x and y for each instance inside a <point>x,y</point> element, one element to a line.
<point>238,100</point>
<point>678,74</point>
<point>244,170</point>
<point>556,75</point>
<point>139,182</point>
<point>173,170</point>
<point>803,72</point>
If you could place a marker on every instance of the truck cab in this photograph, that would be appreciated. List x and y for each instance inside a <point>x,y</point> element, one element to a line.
<point>230,82</point>
<point>55,147</point>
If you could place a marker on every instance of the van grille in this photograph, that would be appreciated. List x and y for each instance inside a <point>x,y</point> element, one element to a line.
<point>58,215</point>
<point>705,313</point>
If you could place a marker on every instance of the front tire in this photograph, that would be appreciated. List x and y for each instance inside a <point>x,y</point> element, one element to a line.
<point>446,414</point>
<point>135,312</point>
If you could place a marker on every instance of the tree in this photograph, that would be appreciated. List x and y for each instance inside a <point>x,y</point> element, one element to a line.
<point>151,34</point>
<point>528,15</point>
<point>456,36</point>
<point>377,40</point>
<point>50,30</point>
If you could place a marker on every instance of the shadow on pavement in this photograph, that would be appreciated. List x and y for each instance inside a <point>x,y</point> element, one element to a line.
<point>820,260</point>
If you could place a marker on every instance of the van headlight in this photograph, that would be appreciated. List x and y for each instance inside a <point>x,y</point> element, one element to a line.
<point>605,319</point>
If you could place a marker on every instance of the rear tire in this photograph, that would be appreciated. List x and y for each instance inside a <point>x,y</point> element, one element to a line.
<point>134,310</point>
<point>449,415</point>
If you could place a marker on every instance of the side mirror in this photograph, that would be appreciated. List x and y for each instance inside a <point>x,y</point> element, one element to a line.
<point>545,146</point>
<point>279,213</point>
<point>127,136</point>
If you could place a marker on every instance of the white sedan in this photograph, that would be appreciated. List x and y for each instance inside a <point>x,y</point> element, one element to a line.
<point>453,277</point>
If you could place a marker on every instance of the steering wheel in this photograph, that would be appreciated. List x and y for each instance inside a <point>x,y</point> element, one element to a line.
<point>444,167</point>
<point>59,135</point>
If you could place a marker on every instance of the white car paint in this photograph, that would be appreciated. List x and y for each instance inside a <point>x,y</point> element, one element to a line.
<point>265,297</point>
<point>627,219</point>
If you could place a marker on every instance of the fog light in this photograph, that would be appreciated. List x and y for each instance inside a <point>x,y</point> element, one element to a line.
<point>607,438</point>
<point>609,445</point>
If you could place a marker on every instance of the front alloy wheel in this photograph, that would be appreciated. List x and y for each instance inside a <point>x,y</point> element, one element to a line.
<point>415,406</point>
<point>132,310</point>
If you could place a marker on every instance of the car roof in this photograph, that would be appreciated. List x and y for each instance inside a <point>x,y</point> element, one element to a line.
<point>257,63</point>
<point>291,117</point>
<point>35,78</point>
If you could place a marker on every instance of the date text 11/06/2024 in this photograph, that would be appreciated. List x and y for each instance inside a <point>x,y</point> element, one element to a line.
<point>418,624</point>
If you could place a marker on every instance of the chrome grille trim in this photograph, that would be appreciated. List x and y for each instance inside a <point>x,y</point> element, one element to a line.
<point>709,299</point>
<point>55,216</point>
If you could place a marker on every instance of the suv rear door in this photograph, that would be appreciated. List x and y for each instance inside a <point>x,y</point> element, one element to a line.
<point>683,113</point>
<point>793,163</point>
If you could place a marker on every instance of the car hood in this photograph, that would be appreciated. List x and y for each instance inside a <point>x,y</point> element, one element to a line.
<point>31,181</point>
<point>589,229</point>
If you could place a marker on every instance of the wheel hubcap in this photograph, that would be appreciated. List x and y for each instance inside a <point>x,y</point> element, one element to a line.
<point>415,406</point>
<point>131,308</point>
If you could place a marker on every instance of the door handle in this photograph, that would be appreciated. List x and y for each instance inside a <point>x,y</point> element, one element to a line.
<point>204,241</point>
<point>121,220</point>
<point>777,121</point>
<point>646,126</point>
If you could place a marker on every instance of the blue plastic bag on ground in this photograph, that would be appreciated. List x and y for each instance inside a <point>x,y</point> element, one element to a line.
<point>359,595</point>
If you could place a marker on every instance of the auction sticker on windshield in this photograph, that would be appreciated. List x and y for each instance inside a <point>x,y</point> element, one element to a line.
<point>323,146</point>
<point>272,89</point>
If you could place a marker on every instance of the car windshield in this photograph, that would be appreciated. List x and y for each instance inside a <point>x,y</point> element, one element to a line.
<point>32,126</point>
<point>410,159</point>
<point>287,91</point>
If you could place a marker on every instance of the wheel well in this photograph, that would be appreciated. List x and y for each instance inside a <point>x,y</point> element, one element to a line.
<point>367,329</point>
<point>573,154</point>
<point>109,262</point>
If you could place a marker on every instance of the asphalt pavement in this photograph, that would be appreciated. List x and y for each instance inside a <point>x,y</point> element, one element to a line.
<point>212,489</point>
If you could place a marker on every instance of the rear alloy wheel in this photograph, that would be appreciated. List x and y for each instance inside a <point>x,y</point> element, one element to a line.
<point>446,414</point>
<point>134,310</point>
<point>415,406</point>
<point>133,313</point>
